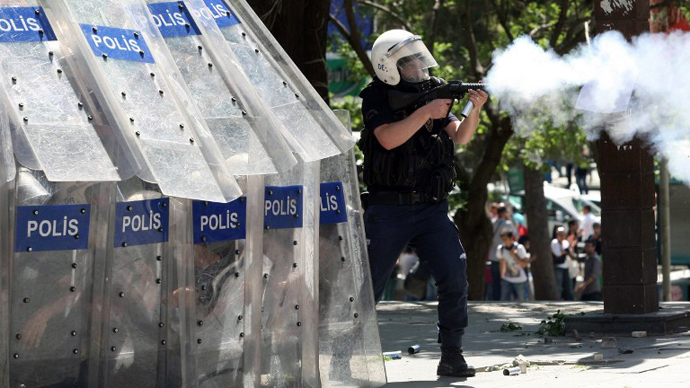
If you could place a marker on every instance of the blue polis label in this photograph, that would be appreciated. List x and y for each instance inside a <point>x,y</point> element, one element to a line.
<point>117,43</point>
<point>219,221</point>
<point>141,222</point>
<point>24,24</point>
<point>52,228</point>
<point>173,19</point>
<point>332,203</point>
<point>222,13</point>
<point>283,207</point>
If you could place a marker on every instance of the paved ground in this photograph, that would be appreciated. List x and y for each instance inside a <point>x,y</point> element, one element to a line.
<point>566,362</point>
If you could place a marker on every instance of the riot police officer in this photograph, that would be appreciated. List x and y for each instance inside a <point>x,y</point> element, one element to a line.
<point>409,169</point>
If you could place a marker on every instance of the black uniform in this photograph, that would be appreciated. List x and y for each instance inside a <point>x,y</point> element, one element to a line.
<point>407,205</point>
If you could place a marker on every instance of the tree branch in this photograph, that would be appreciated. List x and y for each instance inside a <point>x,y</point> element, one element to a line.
<point>502,20</point>
<point>666,3</point>
<point>577,38</point>
<point>356,45</point>
<point>431,38</point>
<point>388,11</point>
<point>565,4</point>
<point>471,42</point>
<point>494,150</point>
<point>576,28</point>
<point>271,14</point>
<point>356,37</point>
<point>536,30</point>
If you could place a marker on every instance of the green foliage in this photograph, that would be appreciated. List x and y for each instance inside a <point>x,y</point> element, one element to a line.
<point>685,9</point>
<point>456,200</point>
<point>352,105</point>
<point>356,71</point>
<point>661,16</point>
<point>546,141</point>
<point>553,326</point>
<point>510,327</point>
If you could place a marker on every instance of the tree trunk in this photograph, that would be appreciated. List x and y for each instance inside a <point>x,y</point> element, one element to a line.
<point>300,26</point>
<point>476,239</point>
<point>539,236</point>
<point>474,225</point>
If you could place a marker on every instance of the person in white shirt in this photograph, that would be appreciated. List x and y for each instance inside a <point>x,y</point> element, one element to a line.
<point>560,252</point>
<point>512,262</point>
<point>587,222</point>
<point>501,225</point>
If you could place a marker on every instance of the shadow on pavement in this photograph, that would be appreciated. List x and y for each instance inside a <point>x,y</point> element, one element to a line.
<point>440,383</point>
<point>485,344</point>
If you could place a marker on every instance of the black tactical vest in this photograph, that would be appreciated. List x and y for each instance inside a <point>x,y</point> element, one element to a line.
<point>425,163</point>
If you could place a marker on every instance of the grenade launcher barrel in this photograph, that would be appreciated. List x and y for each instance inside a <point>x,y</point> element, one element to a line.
<point>453,90</point>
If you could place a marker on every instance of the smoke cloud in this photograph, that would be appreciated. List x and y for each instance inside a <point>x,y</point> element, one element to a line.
<point>639,88</point>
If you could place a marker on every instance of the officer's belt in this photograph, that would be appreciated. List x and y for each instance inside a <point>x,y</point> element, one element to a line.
<point>397,198</point>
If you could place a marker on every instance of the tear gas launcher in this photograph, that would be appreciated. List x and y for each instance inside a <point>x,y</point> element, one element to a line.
<point>432,89</point>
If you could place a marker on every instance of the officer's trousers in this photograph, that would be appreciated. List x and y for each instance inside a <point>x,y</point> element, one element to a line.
<point>427,228</point>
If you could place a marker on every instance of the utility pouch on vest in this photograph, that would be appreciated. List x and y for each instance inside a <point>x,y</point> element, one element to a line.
<point>441,183</point>
<point>382,169</point>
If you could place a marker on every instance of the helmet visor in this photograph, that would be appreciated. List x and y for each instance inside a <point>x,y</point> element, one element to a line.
<point>415,61</point>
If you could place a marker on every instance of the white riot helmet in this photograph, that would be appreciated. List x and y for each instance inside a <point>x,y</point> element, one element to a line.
<point>399,54</point>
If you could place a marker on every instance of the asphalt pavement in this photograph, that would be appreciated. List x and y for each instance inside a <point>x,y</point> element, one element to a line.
<point>492,344</point>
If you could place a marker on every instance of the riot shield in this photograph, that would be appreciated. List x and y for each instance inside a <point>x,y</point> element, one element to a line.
<point>51,132</point>
<point>227,102</point>
<point>135,330</point>
<point>349,343</point>
<point>125,79</point>
<point>216,316</point>
<point>289,350</point>
<point>7,167</point>
<point>53,271</point>
<point>307,123</point>
<point>7,174</point>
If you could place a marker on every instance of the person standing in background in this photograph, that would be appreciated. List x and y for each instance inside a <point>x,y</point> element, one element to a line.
<point>561,252</point>
<point>501,225</point>
<point>590,287</point>
<point>513,261</point>
<point>588,221</point>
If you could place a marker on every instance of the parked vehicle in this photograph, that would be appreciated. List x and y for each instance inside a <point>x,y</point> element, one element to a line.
<point>562,205</point>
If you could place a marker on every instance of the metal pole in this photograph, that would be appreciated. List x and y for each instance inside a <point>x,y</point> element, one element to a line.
<point>665,228</point>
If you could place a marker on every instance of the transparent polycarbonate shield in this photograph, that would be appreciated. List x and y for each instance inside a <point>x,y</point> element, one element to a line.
<point>307,123</point>
<point>349,342</point>
<point>126,78</point>
<point>134,330</point>
<point>239,123</point>
<point>289,348</point>
<point>51,132</point>
<point>7,174</point>
<point>253,285</point>
<point>7,167</point>
<point>52,280</point>
<point>218,321</point>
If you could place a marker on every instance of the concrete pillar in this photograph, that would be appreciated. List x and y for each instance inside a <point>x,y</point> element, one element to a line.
<point>627,193</point>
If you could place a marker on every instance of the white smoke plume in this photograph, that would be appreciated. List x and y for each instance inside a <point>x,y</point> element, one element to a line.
<point>639,88</point>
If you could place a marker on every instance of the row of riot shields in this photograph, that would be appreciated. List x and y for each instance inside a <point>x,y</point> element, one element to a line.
<point>178,207</point>
<point>185,95</point>
<point>114,284</point>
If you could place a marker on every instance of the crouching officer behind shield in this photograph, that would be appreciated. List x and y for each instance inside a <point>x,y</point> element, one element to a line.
<point>409,169</point>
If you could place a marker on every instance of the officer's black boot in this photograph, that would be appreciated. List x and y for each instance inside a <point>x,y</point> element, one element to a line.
<point>453,363</point>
